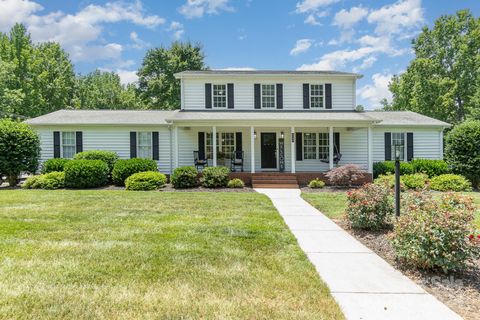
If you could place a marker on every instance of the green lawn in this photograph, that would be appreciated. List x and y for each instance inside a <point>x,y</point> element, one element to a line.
<point>125,255</point>
<point>333,204</point>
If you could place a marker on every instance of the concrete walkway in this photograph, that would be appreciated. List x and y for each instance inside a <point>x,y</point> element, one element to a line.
<point>363,284</point>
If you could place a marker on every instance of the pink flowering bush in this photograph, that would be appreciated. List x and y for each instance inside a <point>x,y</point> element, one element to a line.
<point>370,207</point>
<point>345,176</point>
<point>435,234</point>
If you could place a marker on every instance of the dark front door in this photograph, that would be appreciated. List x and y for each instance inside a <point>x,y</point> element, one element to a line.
<point>269,148</point>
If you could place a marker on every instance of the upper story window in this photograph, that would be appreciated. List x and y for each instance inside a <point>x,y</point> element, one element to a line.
<point>268,96</point>
<point>144,145</point>
<point>219,93</point>
<point>398,139</point>
<point>316,96</point>
<point>68,144</point>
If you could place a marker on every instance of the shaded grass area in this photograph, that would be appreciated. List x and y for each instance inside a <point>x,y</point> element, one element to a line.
<point>333,204</point>
<point>117,254</point>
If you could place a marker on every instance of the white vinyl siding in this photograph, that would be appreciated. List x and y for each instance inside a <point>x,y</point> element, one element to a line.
<point>144,145</point>
<point>343,92</point>
<point>68,144</point>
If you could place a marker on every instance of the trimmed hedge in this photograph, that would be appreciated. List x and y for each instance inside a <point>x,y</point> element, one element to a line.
<point>236,183</point>
<point>184,177</point>
<point>52,180</point>
<point>54,165</point>
<point>86,174</point>
<point>125,168</point>
<point>450,182</point>
<point>109,157</point>
<point>215,177</point>
<point>386,167</point>
<point>145,181</point>
<point>431,168</point>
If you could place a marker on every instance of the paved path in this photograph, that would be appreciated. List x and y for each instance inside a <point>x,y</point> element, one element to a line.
<point>363,284</point>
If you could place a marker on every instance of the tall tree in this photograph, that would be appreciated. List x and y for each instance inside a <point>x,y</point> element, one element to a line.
<point>157,85</point>
<point>443,81</point>
<point>103,90</point>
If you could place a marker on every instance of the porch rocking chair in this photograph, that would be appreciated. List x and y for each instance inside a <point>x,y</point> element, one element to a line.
<point>198,161</point>
<point>236,161</point>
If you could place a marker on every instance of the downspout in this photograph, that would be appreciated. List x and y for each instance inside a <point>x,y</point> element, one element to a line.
<point>171,147</point>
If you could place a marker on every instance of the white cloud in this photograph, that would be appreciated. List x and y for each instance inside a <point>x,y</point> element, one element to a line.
<point>177,29</point>
<point>307,6</point>
<point>366,63</point>
<point>398,17</point>
<point>312,18</point>
<point>198,8</point>
<point>137,42</point>
<point>301,46</point>
<point>338,59</point>
<point>78,33</point>
<point>378,90</point>
<point>126,76</point>
<point>347,19</point>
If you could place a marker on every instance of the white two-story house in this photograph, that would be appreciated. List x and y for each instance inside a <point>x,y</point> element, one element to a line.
<point>297,122</point>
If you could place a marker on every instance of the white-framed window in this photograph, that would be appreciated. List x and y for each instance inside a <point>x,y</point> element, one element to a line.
<point>68,144</point>
<point>268,96</point>
<point>316,96</point>
<point>309,146</point>
<point>144,145</point>
<point>398,139</point>
<point>323,146</point>
<point>219,95</point>
<point>225,144</point>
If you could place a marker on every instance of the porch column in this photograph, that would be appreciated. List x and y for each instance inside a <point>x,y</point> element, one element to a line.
<point>441,145</point>
<point>252,150</point>
<point>214,143</point>
<point>330,147</point>
<point>175,135</point>
<point>369,150</point>
<point>292,147</point>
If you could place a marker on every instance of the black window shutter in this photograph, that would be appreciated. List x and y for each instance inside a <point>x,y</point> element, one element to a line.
<point>328,96</point>
<point>208,95</point>
<point>388,146</point>
<point>256,94</point>
<point>79,141</point>
<point>155,146</point>
<point>279,96</point>
<point>299,146</point>
<point>409,146</point>
<point>133,144</point>
<point>238,141</point>
<point>306,96</point>
<point>230,95</point>
<point>201,145</point>
<point>336,142</point>
<point>56,144</point>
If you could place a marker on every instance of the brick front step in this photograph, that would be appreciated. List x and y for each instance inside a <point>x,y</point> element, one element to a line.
<point>276,185</point>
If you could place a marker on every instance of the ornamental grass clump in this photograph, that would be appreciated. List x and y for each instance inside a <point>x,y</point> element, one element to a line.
<point>345,176</point>
<point>434,235</point>
<point>370,207</point>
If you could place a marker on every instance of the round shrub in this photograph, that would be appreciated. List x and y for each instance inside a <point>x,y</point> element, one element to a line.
<point>434,234</point>
<point>86,174</point>
<point>370,207</point>
<point>415,181</point>
<point>144,181</point>
<point>236,183</point>
<point>54,165</point>
<point>462,150</point>
<point>431,168</point>
<point>31,182</point>
<point>345,176</point>
<point>19,150</point>
<point>109,157</point>
<point>316,184</point>
<point>184,177</point>
<point>450,182</point>
<point>125,168</point>
<point>215,177</point>
<point>52,180</point>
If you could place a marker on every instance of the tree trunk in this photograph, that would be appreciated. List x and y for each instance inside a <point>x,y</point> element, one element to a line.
<point>12,181</point>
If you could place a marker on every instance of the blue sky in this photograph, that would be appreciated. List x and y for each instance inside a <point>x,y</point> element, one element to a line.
<point>369,37</point>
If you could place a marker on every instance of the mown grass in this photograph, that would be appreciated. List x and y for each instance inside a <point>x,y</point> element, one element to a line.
<point>333,204</point>
<point>126,255</point>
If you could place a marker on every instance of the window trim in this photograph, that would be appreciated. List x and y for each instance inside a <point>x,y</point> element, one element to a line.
<point>219,142</point>
<point>317,146</point>
<point>62,145</point>
<point>150,146</point>
<point>310,95</point>
<point>305,146</point>
<point>274,95</point>
<point>213,95</point>
<point>404,145</point>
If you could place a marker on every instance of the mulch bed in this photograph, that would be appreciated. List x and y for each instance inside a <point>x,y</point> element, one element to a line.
<point>327,189</point>
<point>460,290</point>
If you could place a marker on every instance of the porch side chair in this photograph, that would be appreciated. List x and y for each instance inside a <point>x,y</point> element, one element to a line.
<point>198,161</point>
<point>236,161</point>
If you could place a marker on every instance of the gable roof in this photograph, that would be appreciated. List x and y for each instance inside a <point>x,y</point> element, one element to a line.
<point>265,73</point>
<point>404,118</point>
